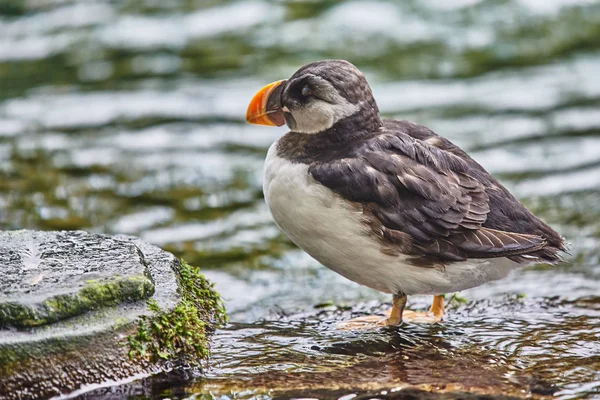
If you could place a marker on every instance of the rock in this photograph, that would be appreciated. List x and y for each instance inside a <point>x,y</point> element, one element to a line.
<point>79,308</point>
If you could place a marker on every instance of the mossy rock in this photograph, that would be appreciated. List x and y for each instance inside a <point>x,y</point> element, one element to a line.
<point>78,309</point>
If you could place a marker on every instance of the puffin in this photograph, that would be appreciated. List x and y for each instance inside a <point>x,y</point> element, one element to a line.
<point>387,203</point>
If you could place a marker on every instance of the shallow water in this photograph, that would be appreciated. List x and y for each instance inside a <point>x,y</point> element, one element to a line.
<point>127,117</point>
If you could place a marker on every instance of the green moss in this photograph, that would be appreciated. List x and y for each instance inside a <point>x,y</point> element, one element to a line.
<point>91,297</point>
<point>325,304</point>
<point>180,334</point>
<point>456,300</point>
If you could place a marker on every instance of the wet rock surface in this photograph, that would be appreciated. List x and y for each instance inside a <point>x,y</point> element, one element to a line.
<point>69,300</point>
<point>51,276</point>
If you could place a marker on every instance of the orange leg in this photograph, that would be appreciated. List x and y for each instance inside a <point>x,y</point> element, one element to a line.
<point>437,307</point>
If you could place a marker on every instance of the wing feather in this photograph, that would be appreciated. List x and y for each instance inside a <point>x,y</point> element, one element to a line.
<point>423,195</point>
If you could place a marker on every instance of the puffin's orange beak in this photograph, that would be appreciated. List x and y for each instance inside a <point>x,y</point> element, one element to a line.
<point>265,106</point>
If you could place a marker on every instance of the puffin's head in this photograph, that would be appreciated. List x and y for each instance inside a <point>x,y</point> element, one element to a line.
<point>314,99</point>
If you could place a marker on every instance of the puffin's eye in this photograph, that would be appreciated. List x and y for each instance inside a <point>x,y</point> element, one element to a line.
<point>306,91</point>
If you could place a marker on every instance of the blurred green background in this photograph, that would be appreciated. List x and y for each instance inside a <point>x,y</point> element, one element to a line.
<point>128,117</point>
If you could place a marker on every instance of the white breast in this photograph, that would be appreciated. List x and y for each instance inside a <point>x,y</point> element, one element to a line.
<point>324,225</point>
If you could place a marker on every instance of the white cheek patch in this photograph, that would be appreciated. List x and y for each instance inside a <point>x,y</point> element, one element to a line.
<point>319,115</point>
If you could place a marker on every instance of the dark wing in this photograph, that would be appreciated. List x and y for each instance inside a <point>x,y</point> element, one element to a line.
<point>422,199</point>
<point>506,212</point>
